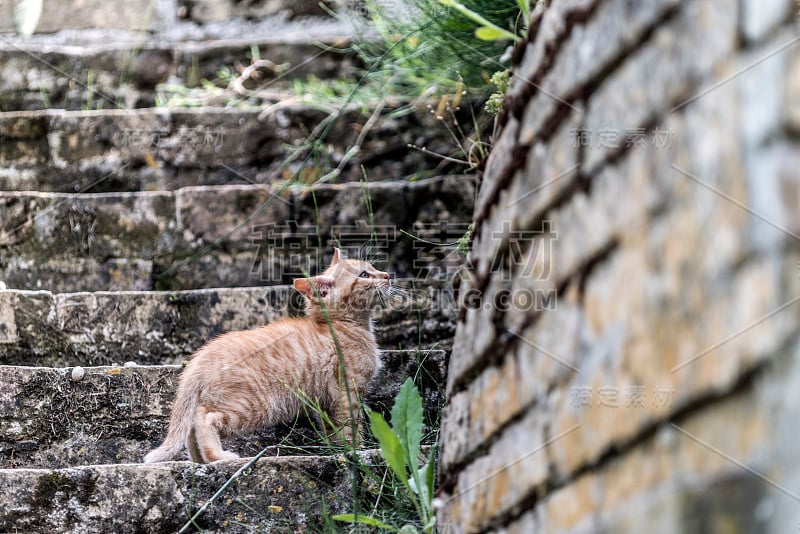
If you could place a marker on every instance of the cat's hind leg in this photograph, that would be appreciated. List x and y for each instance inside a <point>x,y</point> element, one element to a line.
<point>207,428</point>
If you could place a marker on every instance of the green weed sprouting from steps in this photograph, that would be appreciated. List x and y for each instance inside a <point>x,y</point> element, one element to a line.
<point>400,447</point>
<point>443,44</point>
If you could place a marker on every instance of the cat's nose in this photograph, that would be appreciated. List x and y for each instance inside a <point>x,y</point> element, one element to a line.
<point>385,276</point>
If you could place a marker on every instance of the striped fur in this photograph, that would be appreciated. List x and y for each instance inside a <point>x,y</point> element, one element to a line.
<point>244,380</point>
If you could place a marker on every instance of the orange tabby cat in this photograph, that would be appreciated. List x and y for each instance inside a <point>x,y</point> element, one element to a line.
<point>243,380</point>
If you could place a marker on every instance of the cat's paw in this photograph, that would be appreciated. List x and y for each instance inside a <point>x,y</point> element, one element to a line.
<point>225,455</point>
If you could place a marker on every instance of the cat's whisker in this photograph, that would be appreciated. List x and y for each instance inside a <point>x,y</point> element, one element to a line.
<point>384,292</point>
<point>399,291</point>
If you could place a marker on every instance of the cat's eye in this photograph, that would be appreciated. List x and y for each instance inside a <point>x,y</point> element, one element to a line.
<point>363,274</point>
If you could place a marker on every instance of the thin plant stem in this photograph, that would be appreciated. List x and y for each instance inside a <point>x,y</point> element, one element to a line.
<point>221,490</point>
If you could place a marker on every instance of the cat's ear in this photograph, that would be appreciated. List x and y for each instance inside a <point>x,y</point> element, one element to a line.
<point>336,256</point>
<point>323,285</point>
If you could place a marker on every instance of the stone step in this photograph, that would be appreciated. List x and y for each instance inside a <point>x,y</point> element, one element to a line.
<point>118,414</point>
<point>127,75</point>
<point>222,236</point>
<point>39,328</point>
<point>163,149</point>
<point>276,494</point>
<point>162,17</point>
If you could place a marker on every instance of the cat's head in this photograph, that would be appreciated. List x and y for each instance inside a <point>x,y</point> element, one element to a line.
<point>346,283</point>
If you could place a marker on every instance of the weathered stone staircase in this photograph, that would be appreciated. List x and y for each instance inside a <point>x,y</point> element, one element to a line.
<point>130,235</point>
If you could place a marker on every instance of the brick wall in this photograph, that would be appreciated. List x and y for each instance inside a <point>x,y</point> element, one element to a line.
<point>627,353</point>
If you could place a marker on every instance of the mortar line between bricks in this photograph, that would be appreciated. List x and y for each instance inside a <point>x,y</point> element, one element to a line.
<point>588,87</point>
<point>553,50</point>
<point>510,344</point>
<point>546,443</point>
<point>735,202</point>
<point>735,75</point>
<point>617,450</point>
<point>736,462</point>
<point>508,340</point>
<point>482,449</point>
<point>581,92</point>
<point>585,180</point>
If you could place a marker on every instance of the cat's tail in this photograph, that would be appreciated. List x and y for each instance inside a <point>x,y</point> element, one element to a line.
<point>181,424</point>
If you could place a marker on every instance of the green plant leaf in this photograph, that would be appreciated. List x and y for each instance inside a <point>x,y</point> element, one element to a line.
<point>426,476</point>
<point>422,477</point>
<point>407,421</point>
<point>364,520</point>
<point>391,449</point>
<point>486,33</point>
<point>483,22</point>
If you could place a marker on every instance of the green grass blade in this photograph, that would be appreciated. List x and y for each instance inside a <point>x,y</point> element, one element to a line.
<point>364,520</point>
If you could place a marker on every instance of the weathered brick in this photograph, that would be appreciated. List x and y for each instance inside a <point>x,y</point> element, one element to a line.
<point>792,92</point>
<point>759,17</point>
<point>528,522</point>
<point>551,170</point>
<point>768,227</point>
<point>589,50</point>
<point>669,72</point>
<point>787,156</point>
<point>545,354</point>
<point>500,162</point>
<point>654,350</point>
<point>477,332</point>
<point>513,468</point>
<point>491,237</point>
<point>553,26</point>
<point>763,89</point>
<point>660,479</point>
